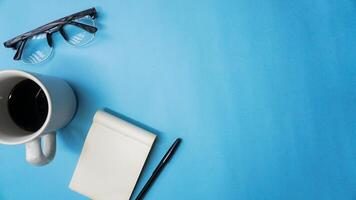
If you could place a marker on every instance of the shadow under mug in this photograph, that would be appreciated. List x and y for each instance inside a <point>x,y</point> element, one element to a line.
<point>61,108</point>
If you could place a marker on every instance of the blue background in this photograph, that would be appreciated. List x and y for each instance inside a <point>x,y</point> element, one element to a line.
<point>262,92</point>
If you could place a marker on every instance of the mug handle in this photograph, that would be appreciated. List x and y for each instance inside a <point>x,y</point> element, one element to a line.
<point>36,155</point>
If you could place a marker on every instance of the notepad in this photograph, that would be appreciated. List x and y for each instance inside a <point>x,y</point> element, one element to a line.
<point>112,158</point>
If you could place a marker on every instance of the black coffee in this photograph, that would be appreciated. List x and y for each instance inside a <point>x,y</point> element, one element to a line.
<point>27,105</point>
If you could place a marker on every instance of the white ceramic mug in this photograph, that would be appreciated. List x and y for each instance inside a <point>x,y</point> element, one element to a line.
<point>61,108</point>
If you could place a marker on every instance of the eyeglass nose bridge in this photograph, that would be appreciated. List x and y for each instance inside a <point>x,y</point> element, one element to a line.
<point>49,39</point>
<point>50,32</point>
<point>63,33</point>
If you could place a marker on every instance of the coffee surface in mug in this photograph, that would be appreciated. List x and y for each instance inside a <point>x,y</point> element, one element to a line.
<point>28,105</point>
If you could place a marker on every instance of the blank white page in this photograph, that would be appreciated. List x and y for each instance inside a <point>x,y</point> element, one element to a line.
<point>112,158</point>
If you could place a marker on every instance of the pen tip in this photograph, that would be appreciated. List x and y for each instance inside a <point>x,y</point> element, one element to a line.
<point>178,140</point>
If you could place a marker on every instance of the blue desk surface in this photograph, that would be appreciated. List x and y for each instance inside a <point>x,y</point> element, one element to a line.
<point>262,92</point>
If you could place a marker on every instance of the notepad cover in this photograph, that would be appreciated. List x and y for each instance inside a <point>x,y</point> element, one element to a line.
<point>112,158</point>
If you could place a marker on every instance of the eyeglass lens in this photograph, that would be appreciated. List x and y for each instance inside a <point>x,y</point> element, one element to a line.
<point>77,36</point>
<point>36,49</point>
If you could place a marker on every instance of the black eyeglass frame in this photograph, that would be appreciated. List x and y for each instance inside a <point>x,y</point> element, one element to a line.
<point>18,42</point>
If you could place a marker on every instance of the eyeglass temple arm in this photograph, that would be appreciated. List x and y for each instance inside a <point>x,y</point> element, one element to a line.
<point>90,29</point>
<point>19,51</point>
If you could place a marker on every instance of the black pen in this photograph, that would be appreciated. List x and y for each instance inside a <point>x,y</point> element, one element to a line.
<point>159,168</point>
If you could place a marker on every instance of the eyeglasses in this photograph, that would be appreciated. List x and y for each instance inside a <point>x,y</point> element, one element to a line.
<point>37,45</point>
